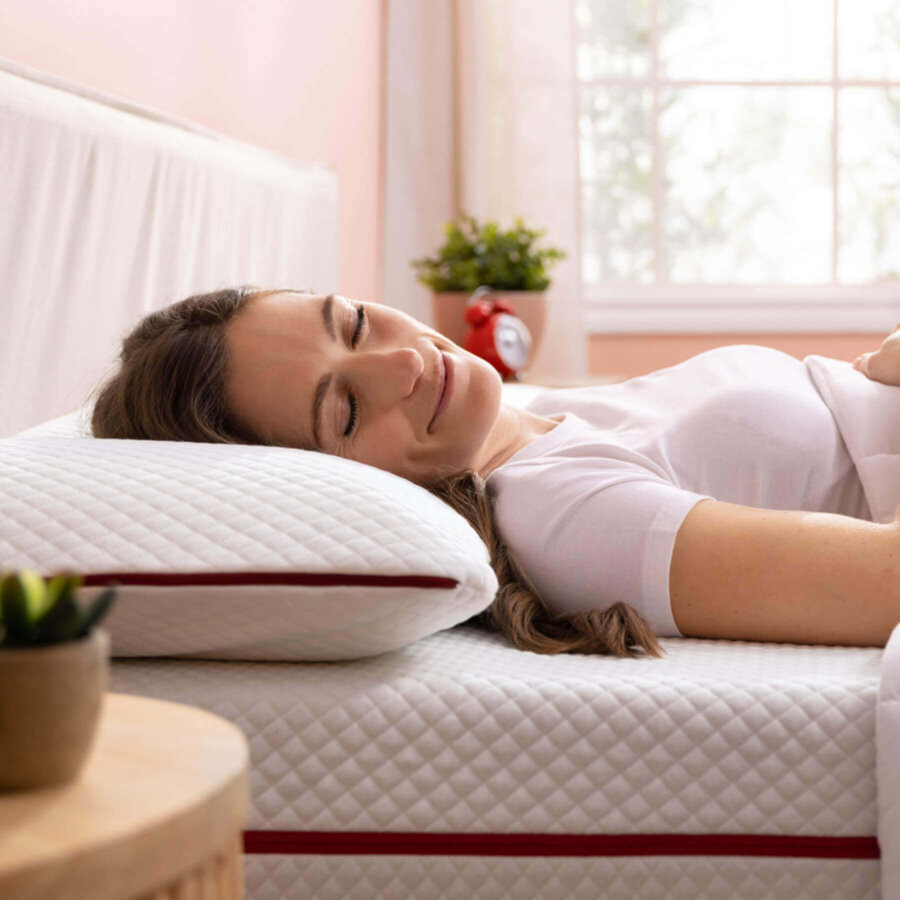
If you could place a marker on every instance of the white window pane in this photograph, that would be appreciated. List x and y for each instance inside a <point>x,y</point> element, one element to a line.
<point>869,40</point>
<point>869,185</point>
<point>746,40</point>
<point>613,38</point>
<point>616,161</point>
<point>748,184</point>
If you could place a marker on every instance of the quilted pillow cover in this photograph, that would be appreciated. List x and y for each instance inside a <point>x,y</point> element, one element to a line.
<point>237,551</point>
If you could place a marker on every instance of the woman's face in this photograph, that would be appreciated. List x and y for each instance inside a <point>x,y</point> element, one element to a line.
<point>377,379</point>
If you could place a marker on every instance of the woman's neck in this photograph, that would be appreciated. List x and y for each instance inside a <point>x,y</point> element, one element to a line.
<point>515,428</point>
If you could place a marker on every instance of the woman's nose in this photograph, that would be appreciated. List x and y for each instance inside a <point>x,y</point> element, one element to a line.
<point>392,373</point>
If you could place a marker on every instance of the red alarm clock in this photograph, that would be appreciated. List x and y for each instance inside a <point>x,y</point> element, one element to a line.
<point>497,335</point>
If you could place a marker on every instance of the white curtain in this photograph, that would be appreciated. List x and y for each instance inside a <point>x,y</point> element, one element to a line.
<point>482,119</point>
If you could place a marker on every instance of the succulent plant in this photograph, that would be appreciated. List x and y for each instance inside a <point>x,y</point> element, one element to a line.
<point>34,611</point>
<point>473,255</point>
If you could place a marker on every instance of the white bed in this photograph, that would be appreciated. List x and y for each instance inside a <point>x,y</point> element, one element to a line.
<point>457,766</point>
<point>462,767</point>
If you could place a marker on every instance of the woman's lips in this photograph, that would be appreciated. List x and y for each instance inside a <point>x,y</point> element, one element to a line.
<point>446,389</point>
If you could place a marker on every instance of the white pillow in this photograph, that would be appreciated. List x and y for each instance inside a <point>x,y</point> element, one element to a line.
<point>237,551</point>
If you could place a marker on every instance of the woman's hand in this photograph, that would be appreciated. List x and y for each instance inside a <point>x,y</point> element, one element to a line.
<point>883,364</point>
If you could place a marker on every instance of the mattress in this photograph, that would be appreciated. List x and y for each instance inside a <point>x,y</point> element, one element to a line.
<point>460,766</point>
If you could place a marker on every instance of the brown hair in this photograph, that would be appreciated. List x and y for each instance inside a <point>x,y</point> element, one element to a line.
<point>171,386</point>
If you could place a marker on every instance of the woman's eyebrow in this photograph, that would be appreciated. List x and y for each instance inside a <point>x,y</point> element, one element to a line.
<point>325,380</point>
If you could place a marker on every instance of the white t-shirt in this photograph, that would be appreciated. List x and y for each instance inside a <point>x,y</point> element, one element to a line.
<point>592,507</point>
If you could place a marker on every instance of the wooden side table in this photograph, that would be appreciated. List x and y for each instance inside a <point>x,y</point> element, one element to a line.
<point>157,813</point>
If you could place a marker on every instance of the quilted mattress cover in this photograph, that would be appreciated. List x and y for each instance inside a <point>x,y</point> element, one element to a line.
<point>460,766</point>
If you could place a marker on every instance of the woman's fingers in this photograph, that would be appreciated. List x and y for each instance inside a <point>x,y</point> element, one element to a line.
<point>882,365</point>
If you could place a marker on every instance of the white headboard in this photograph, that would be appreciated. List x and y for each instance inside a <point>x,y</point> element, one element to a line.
<point>109,210</point>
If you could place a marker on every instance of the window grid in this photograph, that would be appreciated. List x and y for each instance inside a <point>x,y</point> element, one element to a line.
<point>835,136</point>
<point>659,270</point>
<point>655,83</point>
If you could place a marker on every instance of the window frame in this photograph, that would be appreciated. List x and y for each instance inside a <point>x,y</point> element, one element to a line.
<point>628,307</point>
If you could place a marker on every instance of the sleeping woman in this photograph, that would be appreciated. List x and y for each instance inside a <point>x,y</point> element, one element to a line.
<point>712,499</point>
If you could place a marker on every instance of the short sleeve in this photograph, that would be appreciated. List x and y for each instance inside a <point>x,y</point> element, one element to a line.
<point>591,532</point>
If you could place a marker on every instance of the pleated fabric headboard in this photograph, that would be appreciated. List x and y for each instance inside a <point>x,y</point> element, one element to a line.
<point>110,210</point>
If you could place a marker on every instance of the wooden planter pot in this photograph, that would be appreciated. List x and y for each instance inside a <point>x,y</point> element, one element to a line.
<point>50,701</point>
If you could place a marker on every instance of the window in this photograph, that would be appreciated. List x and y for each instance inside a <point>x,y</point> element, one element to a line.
<point>740,153</point>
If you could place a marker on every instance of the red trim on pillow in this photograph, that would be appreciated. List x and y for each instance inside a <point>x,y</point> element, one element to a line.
<point>422,844</point>
<point>182,579</point>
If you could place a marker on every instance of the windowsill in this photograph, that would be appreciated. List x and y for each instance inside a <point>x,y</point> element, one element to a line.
<point>716,308</point>
<point>573,382</point>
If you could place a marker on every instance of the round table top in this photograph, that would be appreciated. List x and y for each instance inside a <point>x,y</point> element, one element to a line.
<point>164,788</point>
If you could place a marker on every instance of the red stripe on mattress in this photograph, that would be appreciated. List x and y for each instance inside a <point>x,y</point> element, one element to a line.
<point>412,844</point>
<point>181,579</point>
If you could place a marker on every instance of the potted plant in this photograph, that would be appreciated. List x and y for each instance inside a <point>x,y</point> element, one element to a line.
<point>475,255</point>
<point>54,667</point>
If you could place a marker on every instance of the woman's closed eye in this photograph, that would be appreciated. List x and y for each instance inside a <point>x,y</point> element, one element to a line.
<point>360,321</point>
<point>351,399</point>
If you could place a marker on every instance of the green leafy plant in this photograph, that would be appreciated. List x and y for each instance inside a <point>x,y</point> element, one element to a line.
<point>34,611</point>
<point>473,255</point>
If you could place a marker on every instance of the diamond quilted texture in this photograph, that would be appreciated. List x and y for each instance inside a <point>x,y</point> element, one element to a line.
<point>170,505</point>
<point>114,506</point>
<point>461,732</point>
<point>279,877</point>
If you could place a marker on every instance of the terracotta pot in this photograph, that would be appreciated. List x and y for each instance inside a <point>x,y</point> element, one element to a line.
<point>50,701</point>
<point>449,310</point>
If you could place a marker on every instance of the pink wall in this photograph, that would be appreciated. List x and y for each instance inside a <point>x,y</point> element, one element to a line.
<point>302,77</point>
<point>638,354</point>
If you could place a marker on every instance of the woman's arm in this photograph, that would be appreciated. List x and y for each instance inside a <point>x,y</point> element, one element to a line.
<point>750,574</point>
<point>883,364</point>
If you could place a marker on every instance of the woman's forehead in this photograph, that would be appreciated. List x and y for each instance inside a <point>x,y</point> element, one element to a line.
<point>268,375</point>
<point>273,311</point>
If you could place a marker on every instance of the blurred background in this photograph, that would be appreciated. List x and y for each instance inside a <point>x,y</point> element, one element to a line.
<point>718,172</point>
